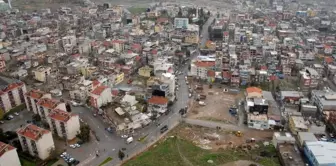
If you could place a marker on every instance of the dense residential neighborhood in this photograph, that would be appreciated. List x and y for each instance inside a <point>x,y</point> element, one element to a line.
<point>235,83</point>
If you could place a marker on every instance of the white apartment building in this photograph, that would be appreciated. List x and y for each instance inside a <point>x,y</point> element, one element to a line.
<point>64,124</point>
<point>169,79</point>
<point>100,96</point>
<point>8,155</point>
<point>36,141</point>
<point>200,68</point>
<point>46,105</point>
<point>11,93</point>
<point>33,97</point>
<point>69,41</point>
<point>41,73</point>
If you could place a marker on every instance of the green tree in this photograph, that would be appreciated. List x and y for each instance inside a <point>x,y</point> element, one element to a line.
<point>84,134</point>
<point>179,14</point>
<point>121,155</point>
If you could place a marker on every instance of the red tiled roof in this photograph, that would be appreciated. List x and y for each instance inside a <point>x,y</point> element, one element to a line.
<point>226,33</point>
<point>154,51</point>
<point>60,115</point>
<point>107,43</point>
<point>32,132</point>
<point>95,83</point>
<point>48,103</point>
<point>129,52</point>
<point>136,46</point>
<point>328,59</point>
<point>99,90</point>
<point>161,20</point>
<point>5,148</point>
<point>118,41</point>
<point>137,57</point>
<point>35,94</point>
<point>158,100</point>
<point>11,87</point>
<point>226,74</point>
<point>263,67</point>
<point>211,73</point>
<point>205,64</point>
<point>253,89</point>
<point>115,92</point>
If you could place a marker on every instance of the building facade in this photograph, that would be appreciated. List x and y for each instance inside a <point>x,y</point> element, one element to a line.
<point>100,96</point>
<point>8,155</point>
<point>64,124</point>
<point>36,141</point>
<point>32,98</point>
<point>11,93</point>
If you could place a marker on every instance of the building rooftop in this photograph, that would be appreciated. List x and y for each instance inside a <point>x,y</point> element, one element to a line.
<point>205,63</point>
<point>324,152</point>
<point>158,100</point>
<point>32,132</point>
<point>60,115</point>
<point>290,155</point>
<point>260,117</point>
<point>299,122</point>
<point>35,94</point>
<point>307,136</point>
<point>8,84</point>
<point>48,103</point>
<point>253,90</point>
<point>99,90</point>
<point>5,148</point>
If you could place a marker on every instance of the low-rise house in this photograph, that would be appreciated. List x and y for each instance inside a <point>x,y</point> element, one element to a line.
<point>289,155</point>
<point>157,104</point>
<point>257,121</point>
<point>253,92</point>
<point>297,124</point>
<point>291,97</point>
<point>64,124</point>
<point>8,155</point>
<point>36,141</point>
<point>100,96</point>
<point>41,73</point>
<point>11,93</point>
<point>280,138</point>
<point>145,71</point>
<point>320,153</point>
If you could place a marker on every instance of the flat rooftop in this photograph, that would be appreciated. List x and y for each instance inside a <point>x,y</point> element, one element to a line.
<point>290,155</point>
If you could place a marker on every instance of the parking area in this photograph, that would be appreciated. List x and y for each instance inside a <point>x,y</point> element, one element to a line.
<point>215,106</point>
<point>17,121</point>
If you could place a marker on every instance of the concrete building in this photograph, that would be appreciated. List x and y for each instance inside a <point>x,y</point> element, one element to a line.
<point>64,124</point>
<point>11,93</point>
<point>280,138</point>
<point>320,153</point>
<point>8,155</point>
<point>325,100</point>
<point>32,98</point>
<point>69,41</point>
<point>41,73</point>
<point>306,137</point>
<point>158,104</point>
<point>36,141</point>
<point>145,71</point>
<point>289,155</point>
<point>100,96</point>
<point>118,45</point>
<point>259,122</point>
<point>297,124</point>
<point>200,68</point>
<point>169,79</point>
<point>46,105</point>
<point>181,23</point>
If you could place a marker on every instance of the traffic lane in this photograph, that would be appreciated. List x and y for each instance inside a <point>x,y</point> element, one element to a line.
<point>12,125</point>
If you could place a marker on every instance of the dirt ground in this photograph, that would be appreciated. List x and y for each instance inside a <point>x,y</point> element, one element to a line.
<point>240,163</point>
<point>217,105</point>
<point>213,139</point>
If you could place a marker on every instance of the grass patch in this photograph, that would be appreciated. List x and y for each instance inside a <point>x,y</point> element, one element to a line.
<point>25,162</point>
<point>106,161</point>
<point>51,162</point>
<point>137,10</point>
<point>179,152</point>
<point>143,138</point>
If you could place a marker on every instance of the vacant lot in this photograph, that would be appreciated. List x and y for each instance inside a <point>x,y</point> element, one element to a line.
<point>217,105</point>
<point>179,152</point>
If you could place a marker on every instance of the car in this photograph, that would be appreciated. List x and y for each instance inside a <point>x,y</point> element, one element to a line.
<point>72,146</point>
<point>28,121</point>
<point>124,136</point>
<point>77,145</point>
<point>94,114</point>
<point>164,129</point>
<point>75,162</point>
<point>16,113</point>
<point>80,142</point>
<point>109,129</point>
<point>190,95</point>
<point>187,82</point>
<point>75,104</point>
<point>2,122</point>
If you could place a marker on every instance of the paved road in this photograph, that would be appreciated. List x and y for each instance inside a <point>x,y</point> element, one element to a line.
<point>205,33</point>
<point>211,124</point>
<point>15,123</point>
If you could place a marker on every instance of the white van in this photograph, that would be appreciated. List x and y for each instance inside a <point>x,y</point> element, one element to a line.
<point>129,140</point>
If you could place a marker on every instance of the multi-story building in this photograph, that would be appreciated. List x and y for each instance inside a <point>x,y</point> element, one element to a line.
<point>169,79</point>
<point>41,73</point>
<point>309,79</point>
<point>11,93</point>
<point>64,124</point>
<point>32,98</point>
<point>181,23</point>
<point>158,104</point>
<point>200,68</point>
<point>325,100</point>
<point>2,65</point>
<point>118,45</point>
<point>69,41</point>
<point>100,96</point>
<point>36,141</point>
<point>46,105</point>
<point>8,155</point>
<point>297,124</point>
<point>259,121</point>
<point>320,153</point>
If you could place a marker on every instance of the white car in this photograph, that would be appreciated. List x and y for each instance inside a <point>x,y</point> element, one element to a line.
<point>72,146</point>
<point>124,136</point>
<point>16,113</point>
<point>190,95</point>
<point>77,145</point>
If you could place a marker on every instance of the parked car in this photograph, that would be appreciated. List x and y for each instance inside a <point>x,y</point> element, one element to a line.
<point>16,113</point>
<point>129,81</point>
<point>164,129</point>
<point>129,140</point>
<point>77,145</point>
<point>2,122</point>
<point>72,146</point>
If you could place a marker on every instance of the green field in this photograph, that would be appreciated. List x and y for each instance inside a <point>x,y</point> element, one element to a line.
<point>105,161</point>
<point>137,10</point>
<point>179,152</point>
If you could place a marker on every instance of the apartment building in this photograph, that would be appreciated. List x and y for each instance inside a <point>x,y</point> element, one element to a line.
<point>297,124</point>
<point>158,104</point>
<point>11,93</point>
<point>309,79</point>
<point>325,100</point>
<point>118,45</point>
<point>8,155</point>
<point>36,141</point>
<point>181,22</point>
<point>100,96</point>
<point>169,79</point>
<point>46,105</point>
<point>32,98</point>
<point>200,68</point>
<point>64,124</point>
<point>41,73</point>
